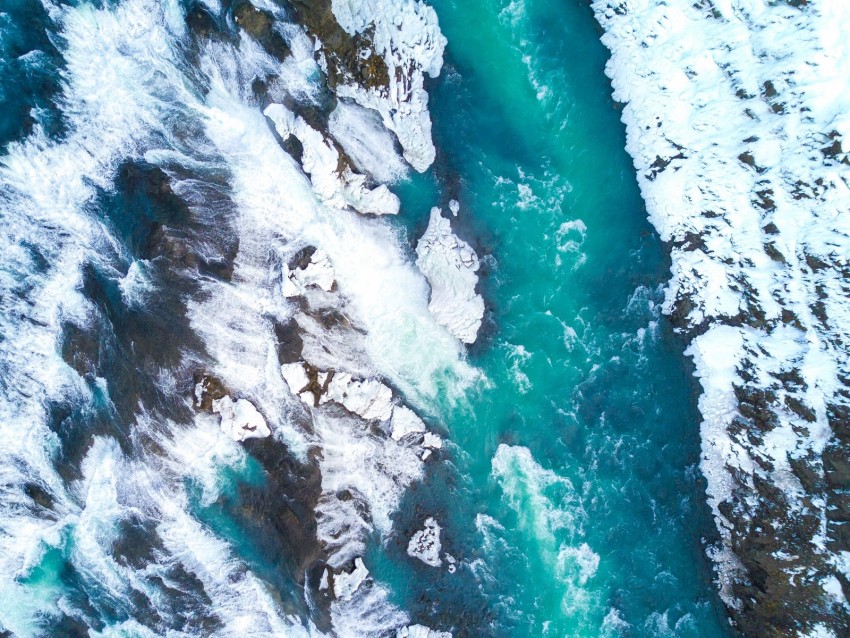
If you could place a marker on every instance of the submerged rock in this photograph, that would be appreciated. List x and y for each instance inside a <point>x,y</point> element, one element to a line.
<point>425,544</point>
<point>240,419</point>
<point>450,264</point>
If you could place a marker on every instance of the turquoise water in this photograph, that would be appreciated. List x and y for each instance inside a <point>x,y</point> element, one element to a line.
<point>591,517</point>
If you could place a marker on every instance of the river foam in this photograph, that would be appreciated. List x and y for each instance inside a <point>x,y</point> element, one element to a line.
<point>137,516</point>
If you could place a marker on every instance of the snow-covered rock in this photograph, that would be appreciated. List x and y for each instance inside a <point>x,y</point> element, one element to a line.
<point>333,180</point>
<point>407,37</point>
<point>240,420</point>
<point>432,441</point>
<point>421,631</point>
<point>405,422</point>
<point>323,583</point>
<point>367,142</point>
<point>425,544</point>
<point>368,398</point>
<point>738,121</point>
<point>450,264</point>
<point>346,583</point>
<point>317,272</point>
<point>295,375</point>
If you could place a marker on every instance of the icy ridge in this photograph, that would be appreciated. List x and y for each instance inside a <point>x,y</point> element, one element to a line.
<point>407,36</point>
<point>738,119</point>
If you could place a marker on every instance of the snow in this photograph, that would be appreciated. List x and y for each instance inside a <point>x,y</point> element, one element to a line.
<point>743,157</point>
<point>368,398</point>
<point>407,36</point>
<point>425,544</point>
<point>321,161</point>
<point>346,583</point>
<point>450,264</point>
<point>421,631</point>
<point>405,422</point>
<point>241,420</point>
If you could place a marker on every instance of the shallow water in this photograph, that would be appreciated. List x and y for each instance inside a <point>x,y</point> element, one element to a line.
<point>568,491</point>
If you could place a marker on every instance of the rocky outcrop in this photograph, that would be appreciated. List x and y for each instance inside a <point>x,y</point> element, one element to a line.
<point>420,631</point>
<point>407,37</point>
<point>377,53</point>
<point>425,544</point>
<point>240,419</point>
<point>737,124</point>
<point>450,264</point>
<point>334,181</point>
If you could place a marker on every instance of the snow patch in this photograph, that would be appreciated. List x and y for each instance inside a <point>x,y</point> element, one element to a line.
<point>240,420</point>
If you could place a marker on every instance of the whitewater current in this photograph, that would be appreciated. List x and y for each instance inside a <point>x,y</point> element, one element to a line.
<point>346,318</point>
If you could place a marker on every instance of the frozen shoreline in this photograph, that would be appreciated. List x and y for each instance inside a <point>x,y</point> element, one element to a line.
<point>744,171</point>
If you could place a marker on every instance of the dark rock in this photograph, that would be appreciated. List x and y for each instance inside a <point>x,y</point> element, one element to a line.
<point>768,90</point>
<point>289,342</point>
<point>836,465</point>
<point>259,24</point>
<point>800,409</point>
<point>774,253</point>
<point>212,389</point>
